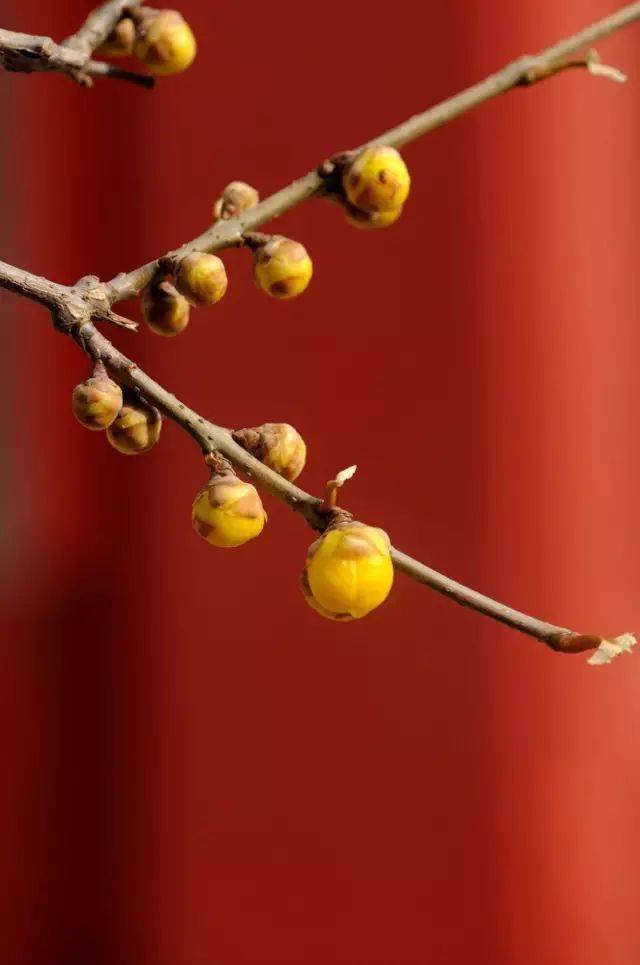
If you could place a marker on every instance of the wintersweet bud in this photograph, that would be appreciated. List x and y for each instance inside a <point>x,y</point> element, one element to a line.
<point>276,444</point>
<point>136,429</point>
<point>377,180</point>
<point>236,198</point>
<point>228,512</point>
<point>282,267</point>
<point>348,571</point>
<point>201,278</point>
<point>164,41</point>
<point>165,310</point>
<point>97,401</point>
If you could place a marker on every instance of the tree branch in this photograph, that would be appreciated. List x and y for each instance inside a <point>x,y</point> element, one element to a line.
<point>70,305</point>
<point>27,54</point>
<point>523,72</point>
<point>75,308</point>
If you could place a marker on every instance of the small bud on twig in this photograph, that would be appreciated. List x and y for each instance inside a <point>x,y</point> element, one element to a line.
<point>377,180</point>
<point>236,198</point>
<point>96,402</point>
<point>276,444</point>
<point>348,571</point>
<point>136,429</point>
<point>282,267</point>
<point>164,41</point>
<point>165,310</point>
<point>228,512</point>
<point>202,278</point>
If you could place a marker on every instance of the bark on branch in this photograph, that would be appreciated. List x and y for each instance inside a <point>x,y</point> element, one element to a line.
<point>28,54</point>
<point>75,308</point>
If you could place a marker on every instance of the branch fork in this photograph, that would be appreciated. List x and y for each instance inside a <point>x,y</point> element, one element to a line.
<point>28,54</point>
<point>76,308</point>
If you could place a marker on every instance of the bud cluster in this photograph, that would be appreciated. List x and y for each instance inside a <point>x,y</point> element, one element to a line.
<point>348,571</point>
<point>200,280</point>
<point>132,425</point>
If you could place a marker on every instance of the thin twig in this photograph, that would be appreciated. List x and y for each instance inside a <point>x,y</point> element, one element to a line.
<point>67,304</point>
<point>525,71</point>
<point>74,308</point>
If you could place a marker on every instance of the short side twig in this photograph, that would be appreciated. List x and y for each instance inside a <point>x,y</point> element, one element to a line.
<point>74,309</point>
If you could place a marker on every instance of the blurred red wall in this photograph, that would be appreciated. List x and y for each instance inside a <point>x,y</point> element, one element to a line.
<point>196,768</point>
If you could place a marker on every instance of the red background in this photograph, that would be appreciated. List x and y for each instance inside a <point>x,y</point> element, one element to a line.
<point>196,769</point>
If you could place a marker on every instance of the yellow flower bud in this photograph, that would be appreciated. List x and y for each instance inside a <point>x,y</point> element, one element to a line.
<point>348,571</point>
<point>282,267</point>
<point>120,41</point>
<point>136,429</point>
<point>228,512</point>
<point>278,445</point>
<point>377,180</point>
<point>202,278</point>
<point>236,198</point>
<point>372,219</point>
<point>96,402</point>
<point>165,310</point>
<point>164,42</point>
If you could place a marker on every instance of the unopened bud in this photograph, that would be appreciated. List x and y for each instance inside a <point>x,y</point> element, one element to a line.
<point>282,267</point>
<point>278,445</point>
<point>202,278</point>
<point>164,41</point>
<point>96,402</point>
<point>228,512</point>
<point>377,180</point>
<point>136,429</point>
<point>165,310</point>
<point>236,198</point>
<point>348,571</point>
<point>120,41</point>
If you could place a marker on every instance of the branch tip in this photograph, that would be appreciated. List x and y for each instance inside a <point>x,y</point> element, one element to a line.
<point>609,649</point>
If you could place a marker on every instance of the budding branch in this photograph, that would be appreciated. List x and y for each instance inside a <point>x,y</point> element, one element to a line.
<point>75,308</point>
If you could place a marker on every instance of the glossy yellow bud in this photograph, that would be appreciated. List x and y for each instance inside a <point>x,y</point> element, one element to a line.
<point>348,572</point>
<point>372,219</point>
<point>202,279</point>
<point>165,310</point>
<point>377,180</point>
<point>96,402</point>
<point>136,429</point>
<point>228,512</point>
<point>282,267</point>
<point>236,198</point>
<point>120,41</point>
<point>165,42</point>
<point>278,445</point>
